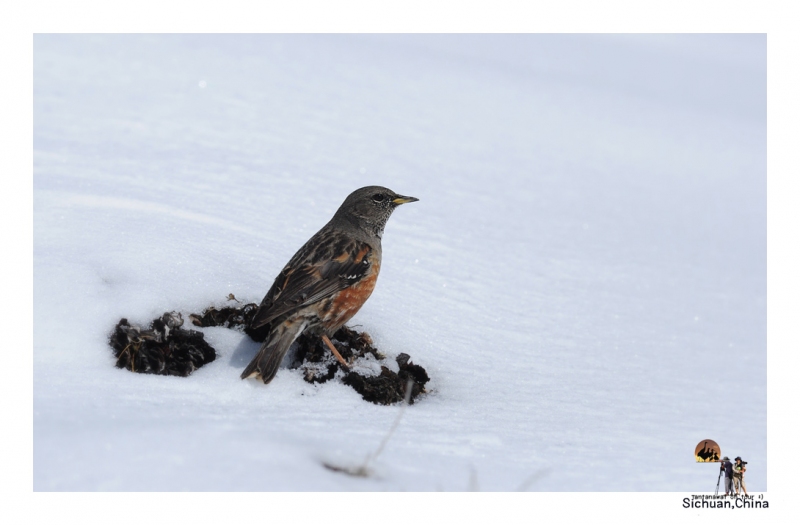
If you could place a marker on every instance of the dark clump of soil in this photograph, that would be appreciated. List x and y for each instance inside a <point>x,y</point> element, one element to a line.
<point>352,345</point>
<point>165,348</point>
<point>227,317</point>
<point>384,389</point>
<point>390,387</point>
<point>232,317</point>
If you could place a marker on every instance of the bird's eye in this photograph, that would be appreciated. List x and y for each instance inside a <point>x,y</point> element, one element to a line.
<point>378,197</point>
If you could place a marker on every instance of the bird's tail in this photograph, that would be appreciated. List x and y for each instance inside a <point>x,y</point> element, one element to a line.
<point>265,364</point>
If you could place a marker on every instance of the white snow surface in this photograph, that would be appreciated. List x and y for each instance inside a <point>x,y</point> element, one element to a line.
<point>583,277</point>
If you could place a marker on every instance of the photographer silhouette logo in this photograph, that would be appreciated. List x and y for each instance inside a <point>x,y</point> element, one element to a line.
<point>707,451</point>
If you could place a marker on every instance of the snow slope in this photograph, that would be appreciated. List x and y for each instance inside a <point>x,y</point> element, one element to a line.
<point>584,276</point>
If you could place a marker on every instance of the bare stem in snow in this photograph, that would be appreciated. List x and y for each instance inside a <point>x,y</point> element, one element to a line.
<point>363,470</point>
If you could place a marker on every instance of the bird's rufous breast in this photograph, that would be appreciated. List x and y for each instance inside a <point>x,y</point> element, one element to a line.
<point>350,300</point>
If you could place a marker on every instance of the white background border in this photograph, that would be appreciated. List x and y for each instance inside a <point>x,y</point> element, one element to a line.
<point>22,19</point>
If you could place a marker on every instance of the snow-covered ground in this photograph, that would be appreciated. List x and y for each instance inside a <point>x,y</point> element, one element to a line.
<point>584,276</point>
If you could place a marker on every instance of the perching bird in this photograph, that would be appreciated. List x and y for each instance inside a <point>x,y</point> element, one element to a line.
<point>327,281</point>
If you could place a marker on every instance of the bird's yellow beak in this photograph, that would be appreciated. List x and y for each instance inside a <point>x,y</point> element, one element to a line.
<point>402,200</point>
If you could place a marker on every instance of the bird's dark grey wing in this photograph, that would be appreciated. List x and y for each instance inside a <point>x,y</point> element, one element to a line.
<point>324,266</point>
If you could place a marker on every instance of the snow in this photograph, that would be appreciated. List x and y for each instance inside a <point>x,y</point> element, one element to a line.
<point>584,276</point>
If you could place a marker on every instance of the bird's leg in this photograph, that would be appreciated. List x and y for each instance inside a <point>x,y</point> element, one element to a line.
<point>336,353</point>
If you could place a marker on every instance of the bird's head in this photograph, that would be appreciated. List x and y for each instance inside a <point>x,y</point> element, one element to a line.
<point>371,206</point>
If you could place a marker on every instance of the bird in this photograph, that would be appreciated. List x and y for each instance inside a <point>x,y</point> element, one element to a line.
<point>327,281</point>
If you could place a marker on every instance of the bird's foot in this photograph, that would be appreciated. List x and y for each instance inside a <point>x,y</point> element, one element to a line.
<point>336,353</point>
